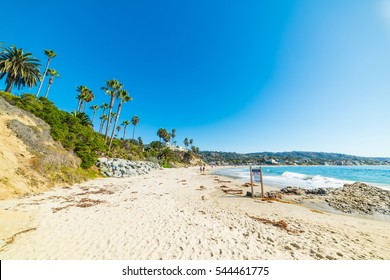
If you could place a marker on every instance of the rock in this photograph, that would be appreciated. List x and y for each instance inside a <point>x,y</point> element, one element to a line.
<point>256,194</point>
<point>319,191</point>
<point>360,198</point>
<point>117,167</point>
<point>293,191</point>
<point>273,194</point>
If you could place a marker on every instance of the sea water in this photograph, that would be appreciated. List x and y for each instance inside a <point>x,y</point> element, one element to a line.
<point>315,176</point>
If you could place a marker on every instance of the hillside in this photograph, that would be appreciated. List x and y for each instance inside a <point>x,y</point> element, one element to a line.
<point>289,158</point>
<point>42,146</point>
<point>30,160</point>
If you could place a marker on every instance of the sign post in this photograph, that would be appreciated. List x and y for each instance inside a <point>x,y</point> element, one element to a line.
<point>251,174</point>
<point>261,180</point>
<point>260,172</point>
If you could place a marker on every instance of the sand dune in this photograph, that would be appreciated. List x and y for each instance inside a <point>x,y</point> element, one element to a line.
<point>179,214</point>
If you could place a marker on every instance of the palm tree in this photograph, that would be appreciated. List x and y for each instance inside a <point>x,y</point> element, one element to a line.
<point>160,133</point>
<point>94,108</point>
<point>125,124</point>
<point>21,68</point>
<point>141,144</point>
<point>104,106</point>
<point>186,142</point>
<point>134,121</point>
<point>50,54</point>
<point>103,118</point>
<point>83,117</point>
<point>191,141</point>
<point>89,97</point>
<point>111,88</point>
<point>173,134</point>
<point>53,74</point>
<point>85,95</point>
<point>166,136</point>
<point>123,97</point>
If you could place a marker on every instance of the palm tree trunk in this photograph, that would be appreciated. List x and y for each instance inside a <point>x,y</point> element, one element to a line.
<point>43,77</point>
<point>9,86</point>
<point>109,118</point>
<point>133,132</point>
<point>124,132</point>
<point>101,125</point>
<point>78,105</point>
<point>102,121</point>
<point>116,121</point>
<point>81,106</point>
<point>48,87</point>
<point>93,116</point>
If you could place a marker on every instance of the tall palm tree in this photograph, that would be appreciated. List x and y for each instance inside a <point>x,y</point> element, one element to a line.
<point>123,97</point>
<point>134,121</point>
<point>160,133</point>
<point>186,142</point>
<point>88,98</point>
<point>104,106</point>
<point>111,88</point>
<point>173,134</point>
<point>53,74</point>
<point>125,124</point>
<point>21,68</point>
<point>103,118</point>
<point>191,141</point>
<point>50,54</point>
<point>94,108</point>
<point>85,95</point>
<point>141,144</point>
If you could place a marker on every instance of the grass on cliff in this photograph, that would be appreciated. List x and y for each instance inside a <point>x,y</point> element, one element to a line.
<point>64,127</point>
<point>80,138</point>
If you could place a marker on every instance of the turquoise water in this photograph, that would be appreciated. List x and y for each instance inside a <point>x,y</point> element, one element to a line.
<point>316,176</point>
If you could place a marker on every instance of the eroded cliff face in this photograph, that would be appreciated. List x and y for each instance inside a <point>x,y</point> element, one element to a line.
<point>30,160</point>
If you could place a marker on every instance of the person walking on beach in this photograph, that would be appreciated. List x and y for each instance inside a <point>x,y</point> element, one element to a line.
<point>203,169</point>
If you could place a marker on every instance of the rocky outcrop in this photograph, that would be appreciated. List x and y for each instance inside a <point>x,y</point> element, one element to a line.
<point>116,167</point>
<point>351,198</point>
<point>360,198</point>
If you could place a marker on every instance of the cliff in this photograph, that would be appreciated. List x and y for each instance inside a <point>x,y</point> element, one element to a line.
<point>30,160</point>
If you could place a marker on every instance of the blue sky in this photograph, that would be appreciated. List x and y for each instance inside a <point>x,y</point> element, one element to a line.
<point>242,76</point>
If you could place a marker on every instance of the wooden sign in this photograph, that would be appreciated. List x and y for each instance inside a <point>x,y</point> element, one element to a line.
<point>260,172</point>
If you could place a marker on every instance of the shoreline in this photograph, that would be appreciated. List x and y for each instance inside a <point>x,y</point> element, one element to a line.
<point>279,185</point>
<point>179,214</point>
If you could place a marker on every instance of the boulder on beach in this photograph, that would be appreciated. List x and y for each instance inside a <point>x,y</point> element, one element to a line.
<point>116,167</point>
<point>360,198</point>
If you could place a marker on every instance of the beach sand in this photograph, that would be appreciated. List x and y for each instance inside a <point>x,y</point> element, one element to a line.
<point>179,214</point>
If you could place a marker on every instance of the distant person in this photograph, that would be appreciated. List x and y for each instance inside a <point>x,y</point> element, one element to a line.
<point>200,169</point>
<point>203,169</point>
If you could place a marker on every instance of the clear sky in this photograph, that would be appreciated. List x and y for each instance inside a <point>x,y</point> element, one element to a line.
<point>243,76</point>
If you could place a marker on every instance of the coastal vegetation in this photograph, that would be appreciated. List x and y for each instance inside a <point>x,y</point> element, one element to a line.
<point>75,130</point>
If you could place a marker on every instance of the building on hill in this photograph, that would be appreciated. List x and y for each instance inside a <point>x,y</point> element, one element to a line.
<point>175,148</point>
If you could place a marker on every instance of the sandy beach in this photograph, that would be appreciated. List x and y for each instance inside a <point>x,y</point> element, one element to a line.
<point>179,214</point>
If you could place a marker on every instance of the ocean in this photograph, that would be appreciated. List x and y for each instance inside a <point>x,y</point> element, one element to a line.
<point>311,177</point>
